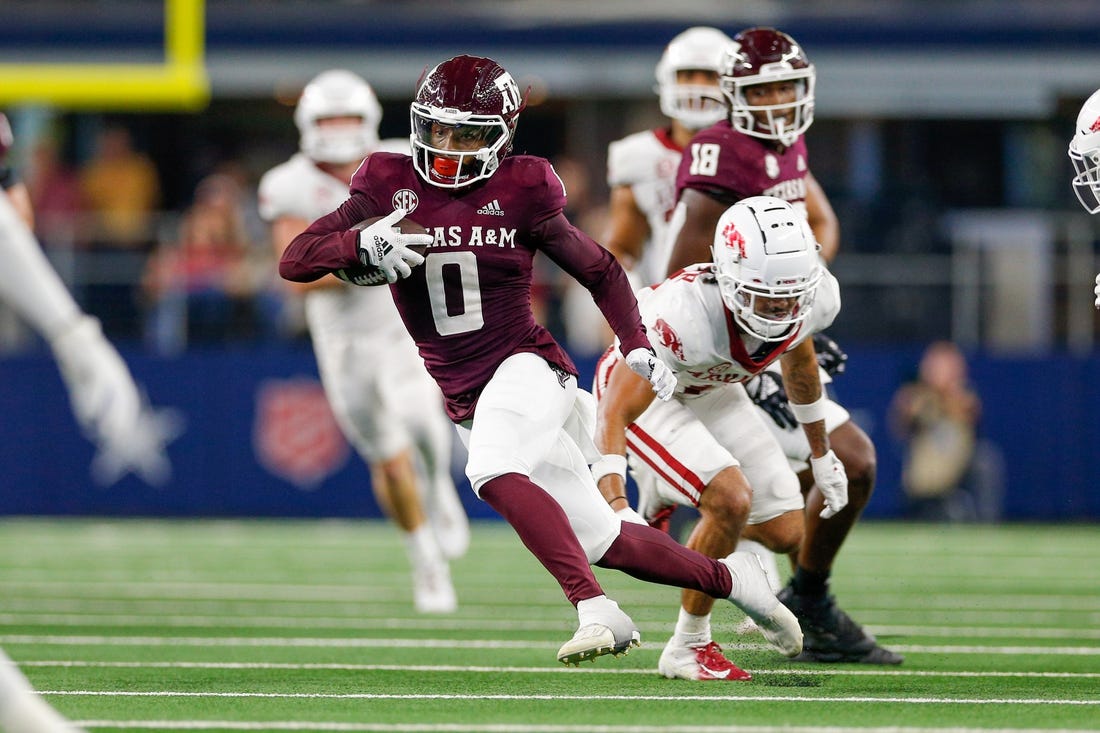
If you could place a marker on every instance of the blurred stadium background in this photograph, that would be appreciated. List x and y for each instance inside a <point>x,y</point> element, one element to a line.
<point>940,139</point>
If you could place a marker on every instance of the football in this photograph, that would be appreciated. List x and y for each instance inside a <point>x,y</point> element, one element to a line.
<point>369,275</point>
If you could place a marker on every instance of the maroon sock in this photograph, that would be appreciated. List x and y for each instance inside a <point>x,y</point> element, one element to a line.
<point>651,555</point>
<point>544,529</point>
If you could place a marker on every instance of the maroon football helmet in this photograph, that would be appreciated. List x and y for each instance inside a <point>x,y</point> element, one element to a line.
<point>463,120</point>
<point>763,56</point>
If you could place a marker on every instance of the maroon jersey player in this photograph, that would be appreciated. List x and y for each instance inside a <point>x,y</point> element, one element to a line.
<point>510,388</point>
<point>768,83</point>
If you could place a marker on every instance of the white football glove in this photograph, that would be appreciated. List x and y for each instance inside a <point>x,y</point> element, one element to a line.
<point>129,435</point>
<point>646,364</point>
<point>1097,291</point>
<point>384,246</point>
<point>832,480</point>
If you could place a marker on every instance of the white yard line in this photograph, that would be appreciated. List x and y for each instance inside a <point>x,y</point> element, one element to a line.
<point>389,643</point>
<point>30,618</point>
<point>519,728</point>
<point>834,671</point>
<point>676,698</point>
<point>371,591</point>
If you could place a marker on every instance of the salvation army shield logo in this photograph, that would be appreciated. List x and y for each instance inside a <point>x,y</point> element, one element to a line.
<point>295,435</point>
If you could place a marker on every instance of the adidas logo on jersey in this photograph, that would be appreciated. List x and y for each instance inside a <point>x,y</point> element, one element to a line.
<point>492,209</point>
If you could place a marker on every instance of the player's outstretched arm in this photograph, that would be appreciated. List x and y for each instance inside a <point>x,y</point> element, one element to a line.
<point>105,400</point>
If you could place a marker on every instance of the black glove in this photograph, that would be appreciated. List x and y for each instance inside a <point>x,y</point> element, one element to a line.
<point>830,356</point>
<point>766,390</point>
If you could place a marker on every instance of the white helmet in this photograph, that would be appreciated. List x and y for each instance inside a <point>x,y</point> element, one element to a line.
<point>764,249</point>
<point>338,93</point>
<point>1084,151</point>
<point>695,105</point>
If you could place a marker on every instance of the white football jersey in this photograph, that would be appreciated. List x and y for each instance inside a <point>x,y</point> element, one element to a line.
<point>379,390</point>
<point>299,188</point>
<point>647,162</point>
<point>694,333</point>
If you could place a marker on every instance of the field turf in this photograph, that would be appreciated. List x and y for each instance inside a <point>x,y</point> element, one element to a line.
<point>308,626</point>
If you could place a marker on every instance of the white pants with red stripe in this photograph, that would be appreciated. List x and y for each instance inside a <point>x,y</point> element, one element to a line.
<point>676,448</point>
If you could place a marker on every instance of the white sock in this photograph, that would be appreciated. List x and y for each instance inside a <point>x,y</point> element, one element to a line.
<point>592,610</point>
<point>422,547</point>
<point>692,629</point>
<point>767,559</point>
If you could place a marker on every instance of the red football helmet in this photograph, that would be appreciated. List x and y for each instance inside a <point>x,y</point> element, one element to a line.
<point>764,56</point>
<point>463,120</point>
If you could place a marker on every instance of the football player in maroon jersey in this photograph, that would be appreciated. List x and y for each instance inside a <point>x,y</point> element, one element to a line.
<point>760,149</point>
<point>508,385</point>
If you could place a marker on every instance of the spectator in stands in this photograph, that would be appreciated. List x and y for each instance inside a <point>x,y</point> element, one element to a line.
<point>121,191</point>
<point>55,195</point>
<point>199,286</point>
<point>949,472</point>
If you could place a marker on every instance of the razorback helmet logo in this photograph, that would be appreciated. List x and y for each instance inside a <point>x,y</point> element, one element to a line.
<point>734,239</point>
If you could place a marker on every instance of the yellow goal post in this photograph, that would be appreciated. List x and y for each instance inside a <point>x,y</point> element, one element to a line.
<point>180,83</point>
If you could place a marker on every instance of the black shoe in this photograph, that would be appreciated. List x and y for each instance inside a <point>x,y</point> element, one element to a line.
<point>830,635</point>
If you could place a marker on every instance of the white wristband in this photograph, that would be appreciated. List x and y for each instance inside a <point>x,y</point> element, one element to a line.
<point>612,463</point>
<point>809,413</point>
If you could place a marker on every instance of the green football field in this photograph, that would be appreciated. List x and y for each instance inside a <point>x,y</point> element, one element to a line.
<point>308,626</point>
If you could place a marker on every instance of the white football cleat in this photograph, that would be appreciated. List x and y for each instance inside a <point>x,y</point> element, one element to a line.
<point>433,591</point>
<point>608,630</point>
<point>767,561</point>
<point>698,663</point>
<point>752,594</point>
<point>771,569</point>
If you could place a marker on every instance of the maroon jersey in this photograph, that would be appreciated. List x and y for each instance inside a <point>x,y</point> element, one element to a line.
<point>468,307</point>
<point>729,166</point>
